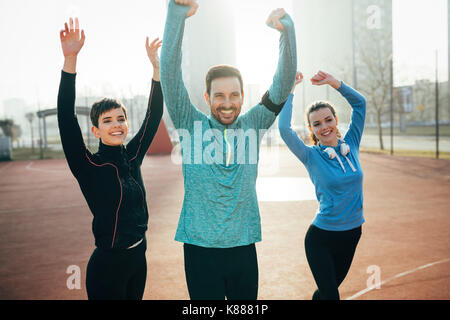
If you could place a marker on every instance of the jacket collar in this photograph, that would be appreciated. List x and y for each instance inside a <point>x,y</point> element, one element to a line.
<point>217,125</point>
<point>110,151</point>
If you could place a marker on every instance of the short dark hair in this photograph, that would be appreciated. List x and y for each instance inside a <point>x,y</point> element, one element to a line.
<point>222,71</point>
<point>104,105</point>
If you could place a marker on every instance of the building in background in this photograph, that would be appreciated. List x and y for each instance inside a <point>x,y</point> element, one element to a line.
<point>372,34</point>
<point>351,39</point>
<point>324,42</point>
<point>252,96</point>
<point>448,57</point>
<point>209,40</point>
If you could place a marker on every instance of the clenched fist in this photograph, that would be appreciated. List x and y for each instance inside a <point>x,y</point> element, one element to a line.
<point>191,3</point>
<point>321,78</point>
<point>274,19</point>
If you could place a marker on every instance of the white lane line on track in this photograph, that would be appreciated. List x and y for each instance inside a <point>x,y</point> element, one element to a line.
<point>402,274</point>
<point>29,167</point>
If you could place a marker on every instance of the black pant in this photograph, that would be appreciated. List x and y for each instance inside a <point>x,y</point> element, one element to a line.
<point>330,254</point>
<point>216,273</point>
<point>117,274</point>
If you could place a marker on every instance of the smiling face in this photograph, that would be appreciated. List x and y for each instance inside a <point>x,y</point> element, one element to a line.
<point>112,127</point>
<point>225,99</point>
<point>323,124</point>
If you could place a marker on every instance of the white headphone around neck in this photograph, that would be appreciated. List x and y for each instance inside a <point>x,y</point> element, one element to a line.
<point>344,149</point>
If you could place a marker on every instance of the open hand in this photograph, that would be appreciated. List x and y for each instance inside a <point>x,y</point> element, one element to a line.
<point>152,51</point>
<point>71,39</point>
<point>191,3</point>
<point>274,19</point>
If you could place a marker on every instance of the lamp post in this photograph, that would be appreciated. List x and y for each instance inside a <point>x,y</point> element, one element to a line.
<point>437,107</point>
<point>30,118</point>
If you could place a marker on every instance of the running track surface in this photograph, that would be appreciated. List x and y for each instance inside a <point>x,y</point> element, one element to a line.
<point>45,227</point>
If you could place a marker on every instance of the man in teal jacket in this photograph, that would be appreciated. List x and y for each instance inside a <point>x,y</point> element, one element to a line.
<point>220,222</point>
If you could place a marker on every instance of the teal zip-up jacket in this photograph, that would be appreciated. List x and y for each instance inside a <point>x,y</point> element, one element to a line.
<point>220,162</point>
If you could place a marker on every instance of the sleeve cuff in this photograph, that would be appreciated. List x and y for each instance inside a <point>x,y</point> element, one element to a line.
<point>287,23</point>
<point>343,88</point>
<point>68,75</point>
<point>177,9</point>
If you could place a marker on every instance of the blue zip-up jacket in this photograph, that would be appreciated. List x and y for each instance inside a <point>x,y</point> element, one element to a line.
<point>220,206</point>
<point>338,190</point>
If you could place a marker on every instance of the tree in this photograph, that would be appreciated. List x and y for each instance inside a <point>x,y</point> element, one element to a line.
<point>373,39</point>
<point>376,87</point>
<point>10,129</point>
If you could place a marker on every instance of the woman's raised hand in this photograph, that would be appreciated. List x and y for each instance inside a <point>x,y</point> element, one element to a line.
<point>152,53</point>
<point>298,79</point>
<point>321,78</point>
<point>72,40</point>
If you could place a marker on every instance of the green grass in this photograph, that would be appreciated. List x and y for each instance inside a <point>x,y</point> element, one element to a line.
<point>27,154</point>
<point>444,131</point>
<point>407,153</point>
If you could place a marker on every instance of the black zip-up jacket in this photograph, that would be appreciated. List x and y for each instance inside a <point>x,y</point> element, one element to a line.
<point>110,179</point>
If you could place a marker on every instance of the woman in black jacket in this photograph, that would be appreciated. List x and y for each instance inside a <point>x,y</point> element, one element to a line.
<point>110,179</point>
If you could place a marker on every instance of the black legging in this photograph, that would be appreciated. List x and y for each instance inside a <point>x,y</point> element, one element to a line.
<point>117,274</point>
<point>330,254</point>
<point>216,273</point>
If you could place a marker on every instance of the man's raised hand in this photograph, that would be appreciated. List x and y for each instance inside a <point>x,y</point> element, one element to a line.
<point>72,40</point>
<point>274,19</point>
<point>191,3</point>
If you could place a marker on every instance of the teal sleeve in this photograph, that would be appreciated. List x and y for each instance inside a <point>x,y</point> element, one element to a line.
<point>283,79</point>
<point>289,136</point>
<point>176,97</point>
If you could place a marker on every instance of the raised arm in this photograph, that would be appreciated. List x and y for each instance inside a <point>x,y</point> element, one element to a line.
<point>284,77</point>
<point>358,104</point>
<point>71,138</point>
<point>138,146</point>
<point>354,98</point>
<point>273,100</point>
<point>180,108</point>
<point>289,136</point>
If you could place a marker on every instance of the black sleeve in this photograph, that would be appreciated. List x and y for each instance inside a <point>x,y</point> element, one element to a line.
<point>69,129</point>
<point>275,108</point>
<point>138,146</point>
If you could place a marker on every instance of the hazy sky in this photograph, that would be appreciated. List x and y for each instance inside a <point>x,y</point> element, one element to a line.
<point>419,28</point>
<point>114,62</point>
<point>112,57</point>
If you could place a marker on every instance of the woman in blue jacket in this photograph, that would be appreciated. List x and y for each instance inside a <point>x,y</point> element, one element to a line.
<point>334,168</point>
